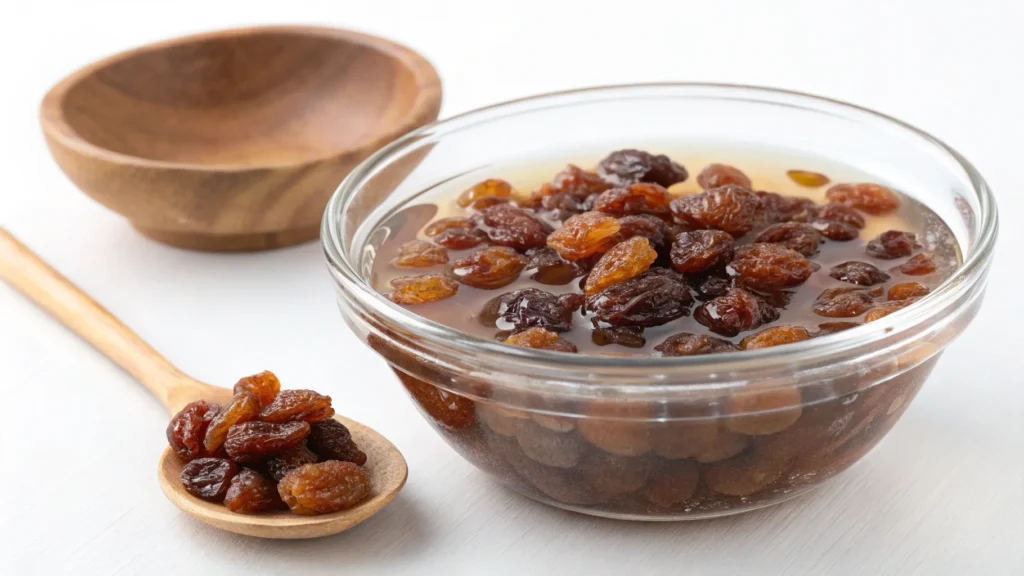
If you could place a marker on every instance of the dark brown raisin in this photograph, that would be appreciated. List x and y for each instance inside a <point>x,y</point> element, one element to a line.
<point>187,429</point>
<point>769,267</point>
<point>254,441</point>
<point>550,268</point>
<point>808,179</point>
<point>893,244</point>
<point>636,199</point>
<point>251,493</point>
<point>422,289</point>
<point>775,336</point>
<point>712,285</point>
<point>718,175</point>
<point>508,225</point>
<point>562,205</point>
<point>626,167</point>
<point>584,234</point>
<point>653,298</point>
<point>540,339</point>
<point>841,213</point>
<point>871,198</point>
<point>264,386</point>
<point>485,193</point>
<point>331,440</point>
<point>907,290</point>
<point>737,311</point>
<point>488,268</point>
<point>700,250</point>
<point>298,405</point>
<point>729,208</point>
<point>650,227</point>
<point>842,302</point>
<point>280,465</point>
<point>623,261</point>
<point>324,488</point>
<point>460,238</point>
<point>835,230</point>
<point>243,408</point>
<point>775,207</point>
<point>687,344</point>
<point>628,336</point>
<point>919,265</point>
<point>793,235</point>
<point>419,254</point>
<point>445,224</point>
<point>578,182</point>
<point>860,273</point>
<point>208,478</point>
<point>530,307</point>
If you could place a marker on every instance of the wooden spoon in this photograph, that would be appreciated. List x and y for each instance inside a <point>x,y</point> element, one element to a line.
<point>26,272</point>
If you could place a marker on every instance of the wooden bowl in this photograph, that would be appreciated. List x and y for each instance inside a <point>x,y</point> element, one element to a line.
<point>234,140</point>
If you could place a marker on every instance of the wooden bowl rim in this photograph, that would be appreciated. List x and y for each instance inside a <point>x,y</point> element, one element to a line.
<point>423,110</point>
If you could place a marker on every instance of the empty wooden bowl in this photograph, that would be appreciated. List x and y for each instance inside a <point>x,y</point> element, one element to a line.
<point>234,140</point>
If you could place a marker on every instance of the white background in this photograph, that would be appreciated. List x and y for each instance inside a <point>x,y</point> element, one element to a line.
<point>79,440</point>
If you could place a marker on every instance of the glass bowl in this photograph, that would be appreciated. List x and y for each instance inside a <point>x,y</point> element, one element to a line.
<point>662,438</point>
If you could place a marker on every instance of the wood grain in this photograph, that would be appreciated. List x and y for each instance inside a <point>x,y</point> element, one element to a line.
<point>234,140</point>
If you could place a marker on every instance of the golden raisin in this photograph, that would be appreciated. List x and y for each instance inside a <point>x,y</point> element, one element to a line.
<point>419,254</point>
<point>871,198</point>
<point>422,289</point>
<point>324,488</point>
<point>717,175</point>
<point>250,493</point>
<point>541,339</point>
<point>883,310</point>
<point>775,336</point>
<point>298,405</point>
<point>907,290</point>
<point>919,265</point>
<point>488,268</point>
<point>808,179</point>
<point>622,429</point>
<point>640,198</point>
<point>444,224</point>
<point>583,235</point>
<point>243,408</point>
<point>264,386</point>
<point>757,412</point>
<point>485,192</point>
<point>770,266</point>
<point>624,261</point>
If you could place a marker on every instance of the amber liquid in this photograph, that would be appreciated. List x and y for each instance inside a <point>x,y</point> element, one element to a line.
<point>767,171</point>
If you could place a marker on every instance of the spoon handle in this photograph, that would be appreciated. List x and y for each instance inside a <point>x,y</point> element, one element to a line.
<point>34,278</point>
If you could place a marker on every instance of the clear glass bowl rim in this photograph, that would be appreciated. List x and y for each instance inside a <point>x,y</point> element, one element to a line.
<point>435,336</point>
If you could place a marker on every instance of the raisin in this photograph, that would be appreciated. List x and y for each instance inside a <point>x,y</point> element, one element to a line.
<point>445,224</point>
<point>624,261</point>
<point>769,267</point>
<point>243,408</point>
<point>775,207</point>
<point>835,230</point>
<point>547,447</point>
<point>841,213</point>
<point>710,285</point>
<point>550,268</point>
<point>422,289</point>
<point>756,412</point>
<point>883,310</point>
<point>628,336</point>
<point>540,339</point>
<point>729,208</point>
<point>797,236</point>
<point>627,167</point>
<point>919,265</point>
<point>530,308</point>
<point>614,475</point>
<point>842,302</point>
<point>331,440</point>
<point>324,488</point>
<point>508,225</point>
<point>208,478</point>
<point>653,298</point>
<point>743,475</point>
<point>460,238</point>
<point>636,199</point>
<point>264,386</point>
<point>718,175</point>
<point>645,225</point>
<point>450,410</point>
<point>488,268</point>
<point>278,466</point>
<point>726,445</point>
<point>737,311</point>
<point>700,250</point>
<point>254,441</point>
<point>907,290</point>
<point>583,235</point>
<point>187,429</point>
<point>775,336</point>
<point>562,205</point>
<point>673,484</point>
<point>485,193</point>
<point>298,405</point>
<point>827,328</point>
<point>808,179</point>
<point>687,344</point>
<point>871,198</point>
<point>250,493</point>
<point>578,182</point>
<point>860,273</point>
<point>618,428</point>
<point>419,254</point>
<point>893,244</point>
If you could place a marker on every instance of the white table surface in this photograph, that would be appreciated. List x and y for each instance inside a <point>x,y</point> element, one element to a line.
<point>79,440</point>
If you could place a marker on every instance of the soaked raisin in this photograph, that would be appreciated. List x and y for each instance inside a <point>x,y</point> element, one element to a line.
<point>773,207</point>
<point>450,410</point>
<point>653,298</point>
<point>578,182</point>
<point>711,285</point>
<point>445,224</point>
<point>860,273</point>
<point>841,213</point>
<point>583,235</point>
<point>550,268</point>
<point>827,328</point>
<point>627,167</point>
<point>623,261</point>
<point>540,339</point>
<point>486,192</point>
<point>508,225</point>
<point>488,268</point>
<point>775,336</point>
<point>460,238</point>
<point>331,440</point>
<point>628,336</point>
<point>919,265</point>
<point>842,302</point>
<point>883,310</point>
<point>614,475</point>
<point>907,290</point>
<point>187,429</point>
<point>254,441</point>
<point>264,386</point>
<point>298,405</point>
<point>278,466</point>
<point>893,244</point>
<point>533,308</point>
<point>672,484</point>
<point>324,488</point>
<point>687,344</point>
<point>562,205</point>
<point>701,250</point>
<point>737,311</point>
<point>645,225</point>
<point>871,198</point>
<point>835,230</point>
<point>243,408</point>
<point>422,289</point>
<point>718,175</point>
<point>208,478</point>
<point>769,267</point>
<point>729,208</point>
<point>757,412</point>
<point>547,447</point>
<point>808,179</point>
<point>419,254</point>
<point>250,493</point>
<point>797,236</point>
<point>636,199</point>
